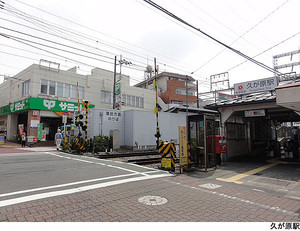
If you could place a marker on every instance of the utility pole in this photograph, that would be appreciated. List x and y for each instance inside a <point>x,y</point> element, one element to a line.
<point>114,84</point>
<point>186,106</point>
<point>197,95</point>
<point>157,135</point>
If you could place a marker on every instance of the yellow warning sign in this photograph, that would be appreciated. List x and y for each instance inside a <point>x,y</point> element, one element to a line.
<point>166,162</point>
<point>183,158</point>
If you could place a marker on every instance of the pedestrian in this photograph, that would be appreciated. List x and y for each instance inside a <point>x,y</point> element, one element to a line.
<point>295,133</point>
<point>295,143</point>
<point>23,139</point>
<point>58,138</point>
<point>5,134</point>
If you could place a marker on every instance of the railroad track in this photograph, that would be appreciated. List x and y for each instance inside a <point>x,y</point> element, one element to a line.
<point>131,154</point>
<point>145,161</point>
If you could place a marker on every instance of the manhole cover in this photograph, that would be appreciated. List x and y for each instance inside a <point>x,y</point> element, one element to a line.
<point>152,200</point>
<point>210,186</point>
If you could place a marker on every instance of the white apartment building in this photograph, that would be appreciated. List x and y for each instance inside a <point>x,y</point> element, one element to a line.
<point>42,95</point>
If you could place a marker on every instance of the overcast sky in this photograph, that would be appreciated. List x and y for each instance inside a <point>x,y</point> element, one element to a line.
<point>139,33</point>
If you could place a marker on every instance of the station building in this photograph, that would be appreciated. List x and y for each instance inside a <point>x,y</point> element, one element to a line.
<point>259,123</point>
<point>42,95</point>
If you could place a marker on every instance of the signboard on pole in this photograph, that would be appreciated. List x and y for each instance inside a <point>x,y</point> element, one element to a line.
<point>267,84</point>
<point>183,158</point>
<point>1,139</point>
<point>20,129</point>
<point>39,131</point>
<point>118,86</point>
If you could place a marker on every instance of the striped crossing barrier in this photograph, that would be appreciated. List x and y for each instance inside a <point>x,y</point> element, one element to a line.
<point>167,151</point>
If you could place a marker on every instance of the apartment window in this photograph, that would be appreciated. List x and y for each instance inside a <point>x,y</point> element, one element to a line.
<point>178,92</point>
<point>25,88</point>
<point>60,89</point>
<point>176,102</point>
<point>74,92</point>
<point>52,88</point>
<point>81,92</point>
<point>106,97</point>
<point>133,101</point>
<point>67,90</point>
<point>44,86</point>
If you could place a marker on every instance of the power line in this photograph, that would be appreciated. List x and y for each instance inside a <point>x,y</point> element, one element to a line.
<point>209,36</point>
<point>270,48</point>
<point>88,45</point>
<point>91,29</point>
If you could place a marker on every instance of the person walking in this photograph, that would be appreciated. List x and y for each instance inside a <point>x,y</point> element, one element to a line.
<point>58,138</point>
<point>23,139</point>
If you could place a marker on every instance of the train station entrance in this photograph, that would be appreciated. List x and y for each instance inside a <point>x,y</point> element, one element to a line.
<point>256,126</point>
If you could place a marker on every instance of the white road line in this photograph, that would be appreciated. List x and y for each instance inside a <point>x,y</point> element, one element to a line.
<point>21,154</point>
<point>107,165</point>
<point>67,184</point>
<point>75,190</point>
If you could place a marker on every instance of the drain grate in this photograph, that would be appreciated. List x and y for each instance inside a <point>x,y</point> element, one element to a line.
<point>152,200</point>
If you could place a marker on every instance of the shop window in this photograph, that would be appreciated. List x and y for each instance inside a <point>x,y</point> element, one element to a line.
<point>25,88</point>
<point>44,86</point>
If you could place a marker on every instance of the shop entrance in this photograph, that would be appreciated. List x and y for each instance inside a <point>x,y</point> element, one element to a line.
<point>50,125</point>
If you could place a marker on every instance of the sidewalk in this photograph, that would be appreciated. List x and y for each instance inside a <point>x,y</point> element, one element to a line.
<point>11,147</point>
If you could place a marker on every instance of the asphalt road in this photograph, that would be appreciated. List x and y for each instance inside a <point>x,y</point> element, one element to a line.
<point>52,186</point>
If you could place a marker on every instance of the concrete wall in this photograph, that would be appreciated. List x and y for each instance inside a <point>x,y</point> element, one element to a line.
<point>137,128</point>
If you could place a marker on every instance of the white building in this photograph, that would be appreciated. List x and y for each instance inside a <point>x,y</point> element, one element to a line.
<point>41,94</point>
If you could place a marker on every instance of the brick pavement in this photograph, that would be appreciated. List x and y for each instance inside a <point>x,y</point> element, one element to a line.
<point>187,202</point>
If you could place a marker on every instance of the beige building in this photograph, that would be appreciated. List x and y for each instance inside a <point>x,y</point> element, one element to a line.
<point>40,94</point>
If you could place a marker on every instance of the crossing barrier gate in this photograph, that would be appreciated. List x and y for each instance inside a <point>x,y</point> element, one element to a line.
<point>167,151</point>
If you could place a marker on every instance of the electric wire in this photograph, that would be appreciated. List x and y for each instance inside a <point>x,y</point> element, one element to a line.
<point>212,38</point>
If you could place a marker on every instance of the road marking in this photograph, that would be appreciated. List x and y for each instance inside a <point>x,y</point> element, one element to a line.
<point>64,185</point>
<point>76,190</point>
<point>238,199</point>
<point>236,178</point>
<point>107,165</point>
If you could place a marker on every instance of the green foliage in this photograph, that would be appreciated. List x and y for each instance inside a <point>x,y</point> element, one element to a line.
<point>193,143</point>
<point>99,143</point>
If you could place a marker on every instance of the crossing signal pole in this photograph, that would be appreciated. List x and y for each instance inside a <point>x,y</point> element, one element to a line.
<point>157,135</point>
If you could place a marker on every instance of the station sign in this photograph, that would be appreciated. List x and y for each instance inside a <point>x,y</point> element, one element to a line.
<point>260,85</point>
<point>255,113</point>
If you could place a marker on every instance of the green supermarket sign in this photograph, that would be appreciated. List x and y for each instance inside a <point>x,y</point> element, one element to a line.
<point>41,104</point>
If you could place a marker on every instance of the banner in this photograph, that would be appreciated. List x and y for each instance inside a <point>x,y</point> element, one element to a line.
<point>183,159</point>
<point>39,131</point>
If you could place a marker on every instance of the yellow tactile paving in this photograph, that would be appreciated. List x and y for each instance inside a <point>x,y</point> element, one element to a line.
<point>236,178</point>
